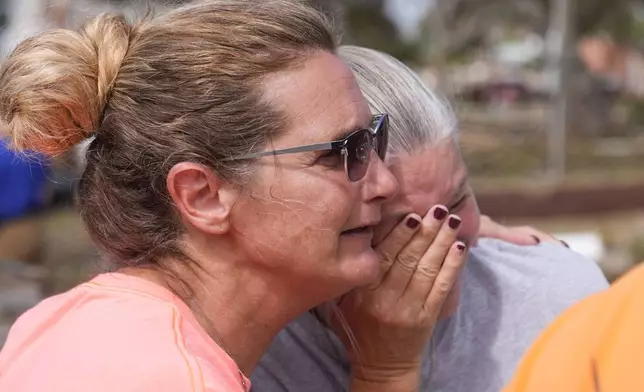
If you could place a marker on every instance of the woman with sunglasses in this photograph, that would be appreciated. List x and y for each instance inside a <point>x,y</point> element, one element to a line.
<point>233,180</point>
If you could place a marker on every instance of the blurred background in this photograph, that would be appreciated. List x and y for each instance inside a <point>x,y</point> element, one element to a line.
<point>549,93</point>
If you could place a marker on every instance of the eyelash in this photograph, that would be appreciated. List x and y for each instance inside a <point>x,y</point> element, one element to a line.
<point>459,203</point>
<point>331,154</point>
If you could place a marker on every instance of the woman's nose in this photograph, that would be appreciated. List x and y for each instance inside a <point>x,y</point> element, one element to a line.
<point>380,182</point>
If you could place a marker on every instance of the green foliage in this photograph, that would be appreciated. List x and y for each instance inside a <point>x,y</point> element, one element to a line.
<point>370,27</point>
<point>365,23</point>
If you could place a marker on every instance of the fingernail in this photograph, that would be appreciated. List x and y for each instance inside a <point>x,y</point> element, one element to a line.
<point>440,213</point>
<point>565,243</point>
<point>536,239</point>
<point>460,247</point>
<point>454,222</point>
<point>412,222</point>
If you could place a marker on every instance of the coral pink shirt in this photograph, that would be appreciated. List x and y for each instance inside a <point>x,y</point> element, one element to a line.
<point>114,333</point>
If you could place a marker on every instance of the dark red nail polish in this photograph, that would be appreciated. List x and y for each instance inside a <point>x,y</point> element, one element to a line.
<point>412,222</point>
<point>536,239</point>
<point>460,247</point>
<point>440,213</point>
<point>454,223</point>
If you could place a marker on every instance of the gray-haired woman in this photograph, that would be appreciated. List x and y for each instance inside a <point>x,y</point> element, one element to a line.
<point>507,293</point>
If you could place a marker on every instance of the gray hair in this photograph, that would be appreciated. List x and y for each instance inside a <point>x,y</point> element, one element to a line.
<point>418,116</point>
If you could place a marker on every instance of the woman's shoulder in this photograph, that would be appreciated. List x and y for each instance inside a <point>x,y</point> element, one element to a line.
<point>111,328</point>
<point>533,283</point>
<point>547,265</point>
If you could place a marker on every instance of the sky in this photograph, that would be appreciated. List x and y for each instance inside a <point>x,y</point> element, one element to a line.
<point>407,15</point>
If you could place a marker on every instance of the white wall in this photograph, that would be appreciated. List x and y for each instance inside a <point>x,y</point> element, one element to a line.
<point>25,18</point>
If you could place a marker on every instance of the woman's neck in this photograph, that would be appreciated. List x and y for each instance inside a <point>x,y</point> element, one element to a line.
<point>241,309</point>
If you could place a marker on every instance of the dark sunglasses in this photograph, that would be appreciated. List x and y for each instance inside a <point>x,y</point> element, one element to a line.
<point>355,148</point>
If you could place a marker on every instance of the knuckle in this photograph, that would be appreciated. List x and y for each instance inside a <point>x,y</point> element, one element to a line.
<point>391,245</point>
<point>398,238</point>
<point>386,257</point>
<point>404,319</point>
<point>427,271</point>
<point>441,246</point>
<point>407,262</point>
<point>444,243</point>
<point>390,316</point>
<point>380,311</point>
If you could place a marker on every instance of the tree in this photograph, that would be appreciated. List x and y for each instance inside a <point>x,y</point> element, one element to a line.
<point>364,23</point>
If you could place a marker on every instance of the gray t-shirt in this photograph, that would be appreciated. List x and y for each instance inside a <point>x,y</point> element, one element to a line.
<point>509,294</point>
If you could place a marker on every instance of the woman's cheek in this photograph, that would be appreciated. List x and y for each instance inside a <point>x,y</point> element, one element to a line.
<point>471,221</point>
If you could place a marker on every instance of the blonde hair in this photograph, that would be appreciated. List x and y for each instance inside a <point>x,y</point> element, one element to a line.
<point>184,86</point>
<point>418,116</point>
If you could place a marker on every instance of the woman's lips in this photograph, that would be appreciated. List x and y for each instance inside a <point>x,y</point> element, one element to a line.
<point>359,231</point>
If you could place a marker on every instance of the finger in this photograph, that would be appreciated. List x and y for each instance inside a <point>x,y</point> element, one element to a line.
<point>491,229</point>
<point>391,246</point>
<point>447,277</point>
<point>430,264</point>
<point>538,235</point>
<point>488,227</point>
<point>517,237</point>
<point>407,259</point>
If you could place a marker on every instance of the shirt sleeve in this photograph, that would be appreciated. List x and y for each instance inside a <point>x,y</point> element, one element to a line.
<point>304,356</point>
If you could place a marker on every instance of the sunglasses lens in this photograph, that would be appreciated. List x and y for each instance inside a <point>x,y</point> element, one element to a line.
<point>358,149</point>
<point>382,137</point>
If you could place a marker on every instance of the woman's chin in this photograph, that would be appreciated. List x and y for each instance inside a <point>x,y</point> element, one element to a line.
<point>361,269</point>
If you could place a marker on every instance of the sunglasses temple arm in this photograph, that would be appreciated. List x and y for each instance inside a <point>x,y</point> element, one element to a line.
<point>292,150</point>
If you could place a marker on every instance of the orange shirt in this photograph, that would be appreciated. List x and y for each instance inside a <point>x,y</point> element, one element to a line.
<point>114,333</point>
<point>596,346</point>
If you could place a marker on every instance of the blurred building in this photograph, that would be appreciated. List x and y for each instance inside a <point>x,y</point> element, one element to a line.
<point>507,68</point>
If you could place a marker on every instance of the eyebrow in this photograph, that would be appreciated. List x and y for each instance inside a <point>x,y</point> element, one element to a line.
<point>348,130</point>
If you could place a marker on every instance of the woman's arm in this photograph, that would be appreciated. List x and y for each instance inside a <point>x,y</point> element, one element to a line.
<point>518,235</point>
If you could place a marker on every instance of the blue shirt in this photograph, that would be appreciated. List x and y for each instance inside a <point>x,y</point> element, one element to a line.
<point>23,181</point>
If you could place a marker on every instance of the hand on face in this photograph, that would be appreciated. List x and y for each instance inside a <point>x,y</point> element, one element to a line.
<point>390,322</point>
<point>518,235</point>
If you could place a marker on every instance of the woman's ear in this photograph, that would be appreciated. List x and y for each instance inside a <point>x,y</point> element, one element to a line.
<point>201,197</point>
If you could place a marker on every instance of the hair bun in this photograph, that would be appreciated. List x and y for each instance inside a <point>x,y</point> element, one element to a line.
<point>55,86</point>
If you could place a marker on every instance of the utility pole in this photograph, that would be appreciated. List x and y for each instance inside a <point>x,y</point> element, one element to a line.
<point>560,53</point>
